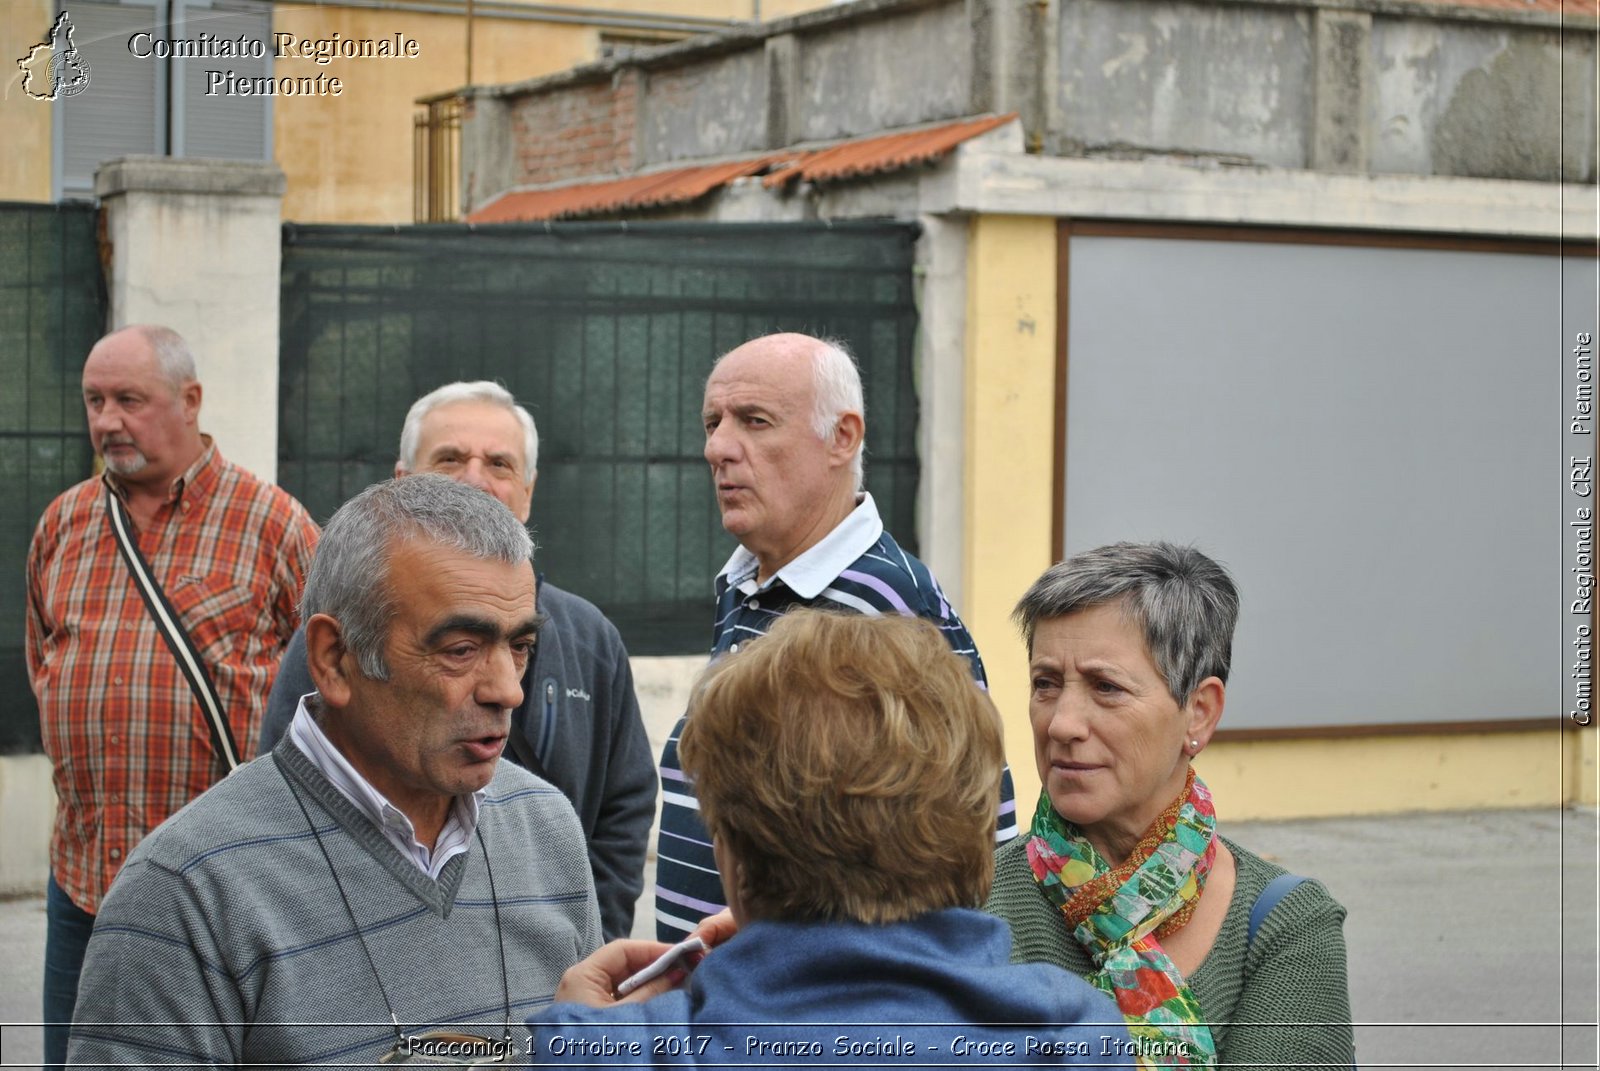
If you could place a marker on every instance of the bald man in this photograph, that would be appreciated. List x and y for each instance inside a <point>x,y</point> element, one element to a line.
<point>785,423</point>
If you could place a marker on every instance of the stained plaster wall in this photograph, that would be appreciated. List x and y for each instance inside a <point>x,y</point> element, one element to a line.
<point>712,108</point>
<point>864,77</point>
<point>1483,101</point>
<point>1209,79</point>
<point>1368,87</point>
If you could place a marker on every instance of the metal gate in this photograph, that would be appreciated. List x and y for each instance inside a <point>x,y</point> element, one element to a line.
<point>52,310</point>
<point>606,333</point>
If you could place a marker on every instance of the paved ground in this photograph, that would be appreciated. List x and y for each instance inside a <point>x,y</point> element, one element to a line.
<point>1472,936</point>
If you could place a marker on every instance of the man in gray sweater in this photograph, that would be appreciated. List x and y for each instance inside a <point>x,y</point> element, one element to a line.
<point>381,883</point>
<point>578,725</point>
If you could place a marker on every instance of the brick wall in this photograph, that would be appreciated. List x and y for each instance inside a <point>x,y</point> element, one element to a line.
<point>579,131</point>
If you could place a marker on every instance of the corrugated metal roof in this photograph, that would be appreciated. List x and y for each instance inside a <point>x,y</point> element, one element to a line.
<point>848,159</point>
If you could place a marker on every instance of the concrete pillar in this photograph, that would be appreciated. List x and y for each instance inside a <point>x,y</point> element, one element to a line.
<point>1009,470</point>
<point>196,245</point>
<point>783,90</point>
<point>28,804</point>
<point>1341,132</point>
<point>1009,48</point>
<point>941,274</point>
<point>488,151</point>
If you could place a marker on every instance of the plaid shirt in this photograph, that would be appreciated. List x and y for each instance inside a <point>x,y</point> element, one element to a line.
<point>119,722</point>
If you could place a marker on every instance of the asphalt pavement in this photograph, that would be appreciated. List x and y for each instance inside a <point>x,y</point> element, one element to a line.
<point>1472,936</point>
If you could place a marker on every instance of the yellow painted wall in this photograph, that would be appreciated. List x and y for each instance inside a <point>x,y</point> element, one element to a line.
<point>348,159</point>
<point>1583,771</point>
<point>1010,435</point>
<point>25,125</point>
<point>1388,774</point>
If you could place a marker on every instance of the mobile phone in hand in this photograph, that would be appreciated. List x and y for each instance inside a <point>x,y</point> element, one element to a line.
<point>676,956</point>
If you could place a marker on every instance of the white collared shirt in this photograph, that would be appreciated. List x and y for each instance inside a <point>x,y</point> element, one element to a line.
<point>811,573</point>
<point>459,825</point>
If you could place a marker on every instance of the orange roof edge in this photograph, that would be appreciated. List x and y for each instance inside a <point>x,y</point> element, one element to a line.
<point>853,158</point>
<point>879,153</point>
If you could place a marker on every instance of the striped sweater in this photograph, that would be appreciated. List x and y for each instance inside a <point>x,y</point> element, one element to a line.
<point>225,939</point>
<point>856,568</point>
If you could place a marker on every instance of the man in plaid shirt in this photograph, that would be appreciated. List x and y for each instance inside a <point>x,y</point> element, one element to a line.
<point>122,729</point>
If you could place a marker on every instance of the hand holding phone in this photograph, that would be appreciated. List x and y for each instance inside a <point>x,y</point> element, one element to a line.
<point>679,955</point>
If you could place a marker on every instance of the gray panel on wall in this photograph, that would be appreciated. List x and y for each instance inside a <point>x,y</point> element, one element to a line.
<point>1371,439</point>
<point>120,113</point>
<point>223,124</point>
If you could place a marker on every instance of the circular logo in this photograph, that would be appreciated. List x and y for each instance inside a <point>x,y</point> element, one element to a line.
<point>68,73</point>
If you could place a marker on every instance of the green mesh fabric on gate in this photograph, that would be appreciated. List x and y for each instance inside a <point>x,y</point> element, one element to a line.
<point>606,333</point>
<point>52,309</point>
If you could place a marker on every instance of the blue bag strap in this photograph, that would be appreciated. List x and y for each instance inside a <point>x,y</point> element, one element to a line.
<point>1276,890</point>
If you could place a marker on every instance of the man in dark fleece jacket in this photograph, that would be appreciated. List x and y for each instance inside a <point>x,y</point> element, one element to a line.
<point>579,726</point>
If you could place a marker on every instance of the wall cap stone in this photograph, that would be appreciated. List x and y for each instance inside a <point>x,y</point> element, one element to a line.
<point>168,174</point>
<point>988,183</point>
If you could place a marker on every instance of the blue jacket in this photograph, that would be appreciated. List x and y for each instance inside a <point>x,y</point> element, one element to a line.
<point>795,994</point>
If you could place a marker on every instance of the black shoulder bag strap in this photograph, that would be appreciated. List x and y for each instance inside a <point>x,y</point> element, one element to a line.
<point>172,630</point>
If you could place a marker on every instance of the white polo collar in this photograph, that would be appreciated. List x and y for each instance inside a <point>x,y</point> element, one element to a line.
<point>811,573</point>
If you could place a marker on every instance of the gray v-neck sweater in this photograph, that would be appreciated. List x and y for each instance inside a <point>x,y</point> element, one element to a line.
<point>225,939</point>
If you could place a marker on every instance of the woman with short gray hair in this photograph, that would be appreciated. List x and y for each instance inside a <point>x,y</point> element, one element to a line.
<point>1214,955</point>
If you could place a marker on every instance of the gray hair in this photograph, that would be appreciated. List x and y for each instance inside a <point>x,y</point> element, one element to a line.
<point>173,355</point>
<point>1185,603</point>
<point>481,390</point>
<point>349,577</point>
<point>838,391</point>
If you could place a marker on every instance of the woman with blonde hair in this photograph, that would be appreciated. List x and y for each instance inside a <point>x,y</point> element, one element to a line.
<point>847,769</point>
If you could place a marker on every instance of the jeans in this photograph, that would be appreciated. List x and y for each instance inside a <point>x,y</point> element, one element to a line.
<point>66,939</point>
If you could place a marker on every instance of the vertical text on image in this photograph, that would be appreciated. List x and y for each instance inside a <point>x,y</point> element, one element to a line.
<point>1580,480</point>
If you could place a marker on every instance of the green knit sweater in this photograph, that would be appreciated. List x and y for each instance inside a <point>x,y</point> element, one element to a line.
<point>1280,1001</point>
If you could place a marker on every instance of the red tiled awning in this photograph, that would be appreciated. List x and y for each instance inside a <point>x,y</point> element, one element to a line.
<point>855,158</point>
<point>882,152</point>
<point>678,186</point>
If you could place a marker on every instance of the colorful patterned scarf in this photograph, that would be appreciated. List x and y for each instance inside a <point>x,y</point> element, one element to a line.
<point>1120,914</point>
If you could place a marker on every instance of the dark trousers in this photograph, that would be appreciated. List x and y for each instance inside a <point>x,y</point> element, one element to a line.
<point>66,939</point>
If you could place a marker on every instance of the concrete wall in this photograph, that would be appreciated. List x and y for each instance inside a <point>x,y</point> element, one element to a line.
<point>863,77</point>
<point>27,809</point>
<point>713,108</point>
<point>1438,89</point>
<point>196,245</point>
<point>1368,87</point>
<point>1231,81</point>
